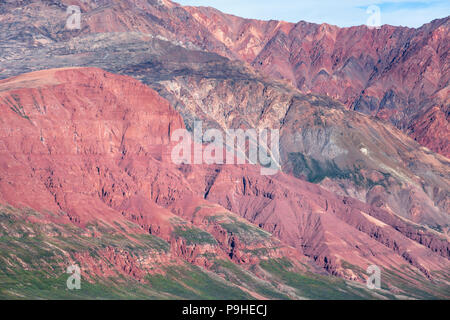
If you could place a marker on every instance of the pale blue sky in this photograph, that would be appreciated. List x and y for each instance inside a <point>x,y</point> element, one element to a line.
<point>344,13</point>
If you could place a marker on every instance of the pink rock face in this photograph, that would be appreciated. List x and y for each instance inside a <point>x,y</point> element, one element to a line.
<point>85,146</point>
<point>432,129</point>
<point>92,147</point>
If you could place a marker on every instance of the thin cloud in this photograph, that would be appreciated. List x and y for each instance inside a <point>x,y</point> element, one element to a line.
<point>344,13</point>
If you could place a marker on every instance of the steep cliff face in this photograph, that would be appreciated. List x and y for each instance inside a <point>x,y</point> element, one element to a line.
<point>55,116</point>
<point>343,151</point>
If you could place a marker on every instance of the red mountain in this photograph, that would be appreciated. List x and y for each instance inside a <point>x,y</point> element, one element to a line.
<point>86,177</point>
<point>89,148</point>
<point>397,74</point>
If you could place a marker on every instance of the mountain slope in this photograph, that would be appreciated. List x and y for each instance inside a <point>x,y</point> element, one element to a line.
<point>397,74</point>
<point>85,148</point>
<point>226,94</point>
<point>72,141</point>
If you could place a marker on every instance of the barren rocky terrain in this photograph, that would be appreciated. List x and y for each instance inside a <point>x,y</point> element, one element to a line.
<point>86,175</point>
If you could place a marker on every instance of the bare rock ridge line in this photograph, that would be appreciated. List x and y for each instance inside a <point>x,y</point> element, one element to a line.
<point>343,151</point>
